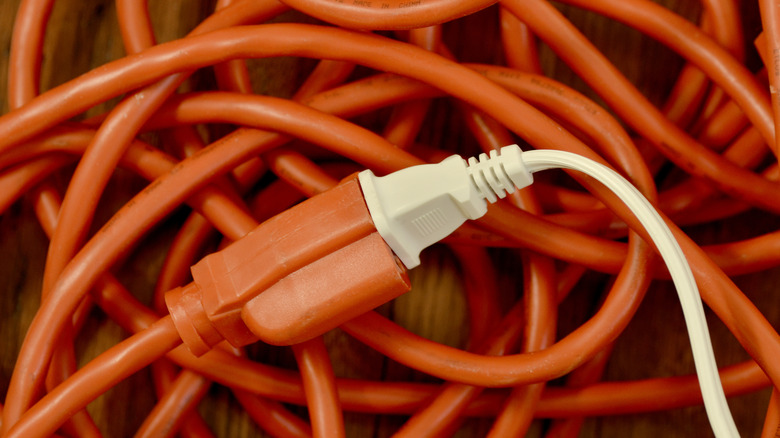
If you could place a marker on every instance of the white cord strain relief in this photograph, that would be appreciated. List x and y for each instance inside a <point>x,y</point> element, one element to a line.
<point>420,205</point>
<point>497,175</point>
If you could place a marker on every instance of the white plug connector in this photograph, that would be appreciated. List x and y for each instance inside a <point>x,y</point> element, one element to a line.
<point>420,205</point>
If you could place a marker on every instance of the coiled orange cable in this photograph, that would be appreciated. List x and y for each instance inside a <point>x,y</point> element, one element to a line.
<point>235,158</point>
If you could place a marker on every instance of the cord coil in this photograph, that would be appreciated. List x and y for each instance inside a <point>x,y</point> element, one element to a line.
<point>227,163</point>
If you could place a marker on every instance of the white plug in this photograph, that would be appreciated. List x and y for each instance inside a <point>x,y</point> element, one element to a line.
<point>418,206</point>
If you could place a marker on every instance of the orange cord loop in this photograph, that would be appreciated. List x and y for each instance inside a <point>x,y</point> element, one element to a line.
<point>180,171</point>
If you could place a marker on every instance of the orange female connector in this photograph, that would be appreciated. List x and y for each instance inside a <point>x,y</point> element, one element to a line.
<point>294,277</point>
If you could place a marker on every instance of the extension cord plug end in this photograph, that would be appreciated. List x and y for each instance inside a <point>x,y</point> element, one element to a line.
<point>420,205</point>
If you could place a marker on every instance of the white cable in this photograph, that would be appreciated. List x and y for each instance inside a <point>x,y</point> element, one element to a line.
<point>420,205</point>
<point>706,368</point>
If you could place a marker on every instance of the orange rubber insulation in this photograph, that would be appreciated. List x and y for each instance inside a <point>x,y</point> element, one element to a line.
<point>272,244</point>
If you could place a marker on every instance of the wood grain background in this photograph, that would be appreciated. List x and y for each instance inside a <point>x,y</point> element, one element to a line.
<point>83,34</point>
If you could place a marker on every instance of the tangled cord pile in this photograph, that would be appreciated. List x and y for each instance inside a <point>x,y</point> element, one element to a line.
<point>236,158</point>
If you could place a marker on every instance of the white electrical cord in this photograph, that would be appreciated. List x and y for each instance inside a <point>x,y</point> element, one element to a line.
<point>712,391</point>
<point>420,205</point>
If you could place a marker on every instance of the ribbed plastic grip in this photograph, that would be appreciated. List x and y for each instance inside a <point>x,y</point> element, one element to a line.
<point>496,175</point>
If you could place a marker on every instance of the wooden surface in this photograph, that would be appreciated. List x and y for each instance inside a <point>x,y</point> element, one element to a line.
<point>83,35</point>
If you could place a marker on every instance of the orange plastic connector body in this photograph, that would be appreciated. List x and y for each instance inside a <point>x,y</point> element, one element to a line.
<point>319,263</point>
<point>327,293</point>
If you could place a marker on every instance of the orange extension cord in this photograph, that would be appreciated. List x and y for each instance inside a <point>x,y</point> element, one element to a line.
<point>712,144</point>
